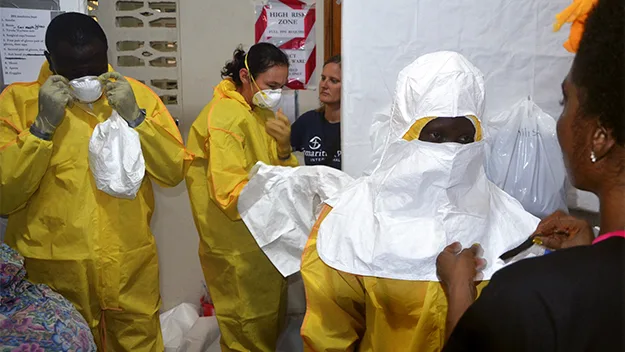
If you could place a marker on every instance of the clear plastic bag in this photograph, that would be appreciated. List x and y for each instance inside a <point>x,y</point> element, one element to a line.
<point>116,159</point>
<point>525,159</point>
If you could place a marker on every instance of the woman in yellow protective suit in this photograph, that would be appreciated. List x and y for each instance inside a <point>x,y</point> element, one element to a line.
<point>95,249</point>
<point>369,265</point>
<point>236,130</point>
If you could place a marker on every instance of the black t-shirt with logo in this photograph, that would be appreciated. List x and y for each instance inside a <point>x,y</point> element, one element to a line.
<point>317,138</point>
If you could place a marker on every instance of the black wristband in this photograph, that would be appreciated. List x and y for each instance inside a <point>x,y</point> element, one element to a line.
<point>136,122</point>
<point>40,134</point>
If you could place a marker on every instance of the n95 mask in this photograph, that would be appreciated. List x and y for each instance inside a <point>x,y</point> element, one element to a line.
<point>86,89</point>
<point>268,98</point>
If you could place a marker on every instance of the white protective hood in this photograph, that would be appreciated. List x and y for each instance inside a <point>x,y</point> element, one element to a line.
<point>279,206</point>
<point>438,84</point>
<point>421,197</point>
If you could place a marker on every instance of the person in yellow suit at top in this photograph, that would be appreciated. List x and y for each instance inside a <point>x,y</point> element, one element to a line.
<point>94,249</point>
<point>236,130</point>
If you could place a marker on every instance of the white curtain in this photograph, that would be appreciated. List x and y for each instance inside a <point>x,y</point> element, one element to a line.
<point>510,41</point>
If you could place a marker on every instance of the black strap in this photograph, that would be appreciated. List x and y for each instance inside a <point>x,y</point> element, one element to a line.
<point>527,244</point>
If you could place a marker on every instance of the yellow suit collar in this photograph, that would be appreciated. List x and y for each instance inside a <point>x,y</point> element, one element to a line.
<point>227,88</point>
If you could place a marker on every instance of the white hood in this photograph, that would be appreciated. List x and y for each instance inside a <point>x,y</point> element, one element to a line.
<point>442,84</point>
<point>421,197</point>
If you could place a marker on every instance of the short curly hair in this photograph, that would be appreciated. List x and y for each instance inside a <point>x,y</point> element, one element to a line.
<point>599,66</point>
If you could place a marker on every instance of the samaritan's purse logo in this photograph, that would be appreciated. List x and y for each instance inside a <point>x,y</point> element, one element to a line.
<point>315,143</point>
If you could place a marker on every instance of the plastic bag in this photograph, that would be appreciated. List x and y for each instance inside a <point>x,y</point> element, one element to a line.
<point>176,323</point>
<point>116,159</point>
<point>525,160</point>
<point>202,337</point>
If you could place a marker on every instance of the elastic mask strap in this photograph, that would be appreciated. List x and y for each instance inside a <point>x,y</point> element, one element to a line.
<point>252,77</point>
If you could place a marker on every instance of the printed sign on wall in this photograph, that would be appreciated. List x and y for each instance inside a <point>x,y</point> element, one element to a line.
<point>290,25</point>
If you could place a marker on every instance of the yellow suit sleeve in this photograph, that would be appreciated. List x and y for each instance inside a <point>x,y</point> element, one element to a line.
<point>166,158</point>
<point>23,156</point>
<point>227,171</point>
<point>335,303</point>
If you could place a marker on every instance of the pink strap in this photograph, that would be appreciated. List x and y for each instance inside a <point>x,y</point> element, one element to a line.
<point>609,235</point>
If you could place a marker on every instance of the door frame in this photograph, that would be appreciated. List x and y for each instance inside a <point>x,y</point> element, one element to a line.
<point>332,28</point>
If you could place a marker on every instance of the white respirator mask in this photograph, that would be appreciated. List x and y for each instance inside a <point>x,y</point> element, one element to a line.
<point>268,98</point>
<point>264,98</point>
<point>86,89</point>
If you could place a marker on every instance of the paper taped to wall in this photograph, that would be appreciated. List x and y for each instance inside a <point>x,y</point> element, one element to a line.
<point>23,43</point>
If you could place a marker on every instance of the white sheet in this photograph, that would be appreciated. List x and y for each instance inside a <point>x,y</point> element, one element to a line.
<point>423,197</point>
<point>279,206</point>
<point>510,41</point>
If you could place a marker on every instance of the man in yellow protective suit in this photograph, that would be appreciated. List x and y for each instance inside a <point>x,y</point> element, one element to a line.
<point>369,265</point>
<point>94,249</point>
<point>233,132</point>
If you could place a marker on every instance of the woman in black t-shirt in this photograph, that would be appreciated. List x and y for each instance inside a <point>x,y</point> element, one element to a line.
<point>317,133</point>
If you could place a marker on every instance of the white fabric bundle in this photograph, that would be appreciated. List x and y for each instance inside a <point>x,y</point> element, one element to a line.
<point>279,205</point>
<point>116,159</point>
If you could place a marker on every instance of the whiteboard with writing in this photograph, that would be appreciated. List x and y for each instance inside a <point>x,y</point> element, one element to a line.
<point>23,43</point>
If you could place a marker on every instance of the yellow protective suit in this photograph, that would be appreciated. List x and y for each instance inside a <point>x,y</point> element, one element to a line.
<point>228,139</point>
<point>94,249</point>
<point>347,312</point>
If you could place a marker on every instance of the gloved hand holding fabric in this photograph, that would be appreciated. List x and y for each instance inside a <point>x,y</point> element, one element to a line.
<point>54,96</point>
<point>280,129</point>
<point>121,97</point>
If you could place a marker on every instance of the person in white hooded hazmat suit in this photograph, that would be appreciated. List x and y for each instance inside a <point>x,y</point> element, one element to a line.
<point>369,264</point>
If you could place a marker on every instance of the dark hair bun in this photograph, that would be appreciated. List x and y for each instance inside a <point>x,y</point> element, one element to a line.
<point>234,66</point>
